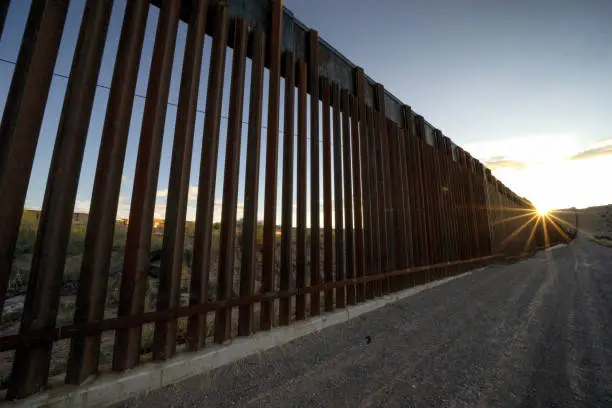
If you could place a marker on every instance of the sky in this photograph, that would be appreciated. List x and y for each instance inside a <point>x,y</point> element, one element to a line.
<point>524,86</point>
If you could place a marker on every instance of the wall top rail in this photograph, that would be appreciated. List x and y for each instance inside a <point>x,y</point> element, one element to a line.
<point>332,64</point>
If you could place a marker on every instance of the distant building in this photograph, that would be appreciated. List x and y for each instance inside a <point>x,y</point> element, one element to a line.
<point>80,218</point>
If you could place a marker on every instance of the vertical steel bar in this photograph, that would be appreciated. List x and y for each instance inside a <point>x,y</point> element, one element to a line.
<point>251,184</point>
<point>327,197</point>
<point>450,199</point>
<point>315,209</point>
<point>425,180</point>
<point>485,212</point>
<point>386,197</point>
<point>338,205</point>
<point>286,264</point>
<point>482,228</point>
<point>40,309</point>
<point>368,213</point>
<point>362,138</point>
<point>376,200</point>
<point>463,250</point>
<point>91,295</point>
<point>168,296</point>
<point>468,208</point>
<point>442,193</point>
<point>459,208</point>
<point>429,205</point>
<point>415,190</point>
<point>384,251</point>
<point>300,261</point>
<point>349,231</point>
<point>477,208</point>
<point>196,329</point>
<point>423,200</point>
<point>396,187</point>
<point>403,207</point>
<point>138,241</point>
<point>227,238</point>
<point>21,122</point>
<point>414,195</point>
<point>408,188</point>
<point>269,227</point>
<point>439,205</point>
<point>472,205</point>
<point>451,185</point>
<point>357,200</point>
<point>4,6</point>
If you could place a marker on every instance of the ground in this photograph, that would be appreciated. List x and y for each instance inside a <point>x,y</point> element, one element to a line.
<point>534,333</point>
<point>596,223</point>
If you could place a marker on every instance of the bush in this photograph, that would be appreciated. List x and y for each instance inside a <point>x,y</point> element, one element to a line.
<point>27,234</point>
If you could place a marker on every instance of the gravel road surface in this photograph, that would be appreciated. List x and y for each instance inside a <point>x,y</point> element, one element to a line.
<point>537,333</point>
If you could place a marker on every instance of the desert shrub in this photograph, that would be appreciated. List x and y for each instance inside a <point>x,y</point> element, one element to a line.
<point>27,234</point>
<point>76,243</point>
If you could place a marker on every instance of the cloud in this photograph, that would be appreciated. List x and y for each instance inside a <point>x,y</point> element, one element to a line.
<point>124,179</point>
<point>497,162</point>
<point>603,148</point>
<point>193,193</point>
<point>82,205</point>
<point>160,211</point>
<point>192,196</point>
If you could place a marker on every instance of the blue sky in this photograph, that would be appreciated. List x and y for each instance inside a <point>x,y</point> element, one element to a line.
<point>524,86</point>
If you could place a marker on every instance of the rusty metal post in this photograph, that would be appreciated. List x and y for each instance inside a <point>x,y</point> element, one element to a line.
<point>387,211</point>
<point>428,203</point>
<point>315,237</point>
<point>443,200</point>
<point>196,329</point>
<point>348,198</point>
<point>227,236</point>
<point>286,258</point>
<point>453,201</point>
<point>469,235</point>
<point>269,227</point>
<point>251,184</point>
<point>395,187</point>
<point>415,192</point>
<point>375,202</point>
<point>366,232</point>
<point>472,205</point>
<point>357,200</point>
<point>327,197</point>
<point>407,207</point>
<point>300,259</point>
<point>436,216</point>
<point>340,300</point>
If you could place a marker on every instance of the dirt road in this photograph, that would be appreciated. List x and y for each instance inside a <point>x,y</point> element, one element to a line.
<point>537,333</point>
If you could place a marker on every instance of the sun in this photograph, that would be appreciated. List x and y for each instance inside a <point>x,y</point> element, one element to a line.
<point>542,210</point>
